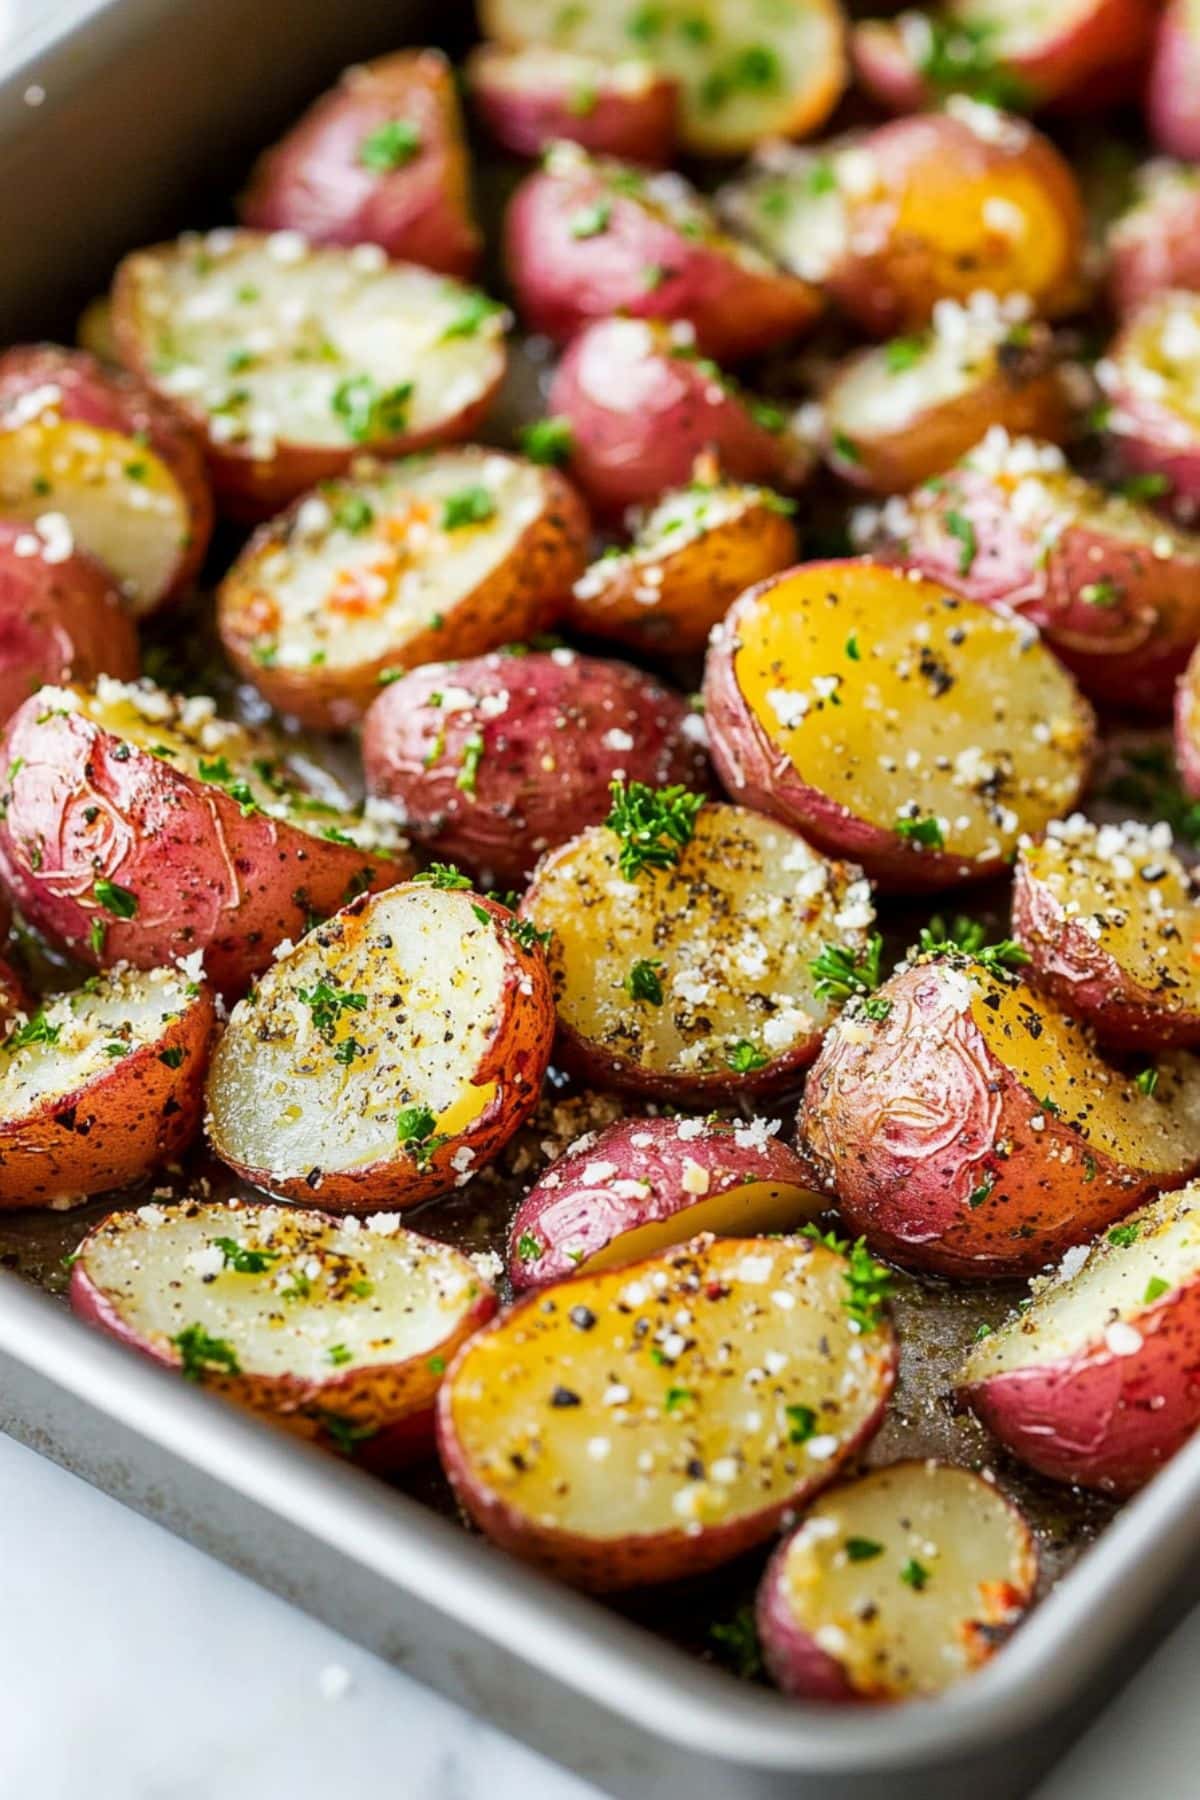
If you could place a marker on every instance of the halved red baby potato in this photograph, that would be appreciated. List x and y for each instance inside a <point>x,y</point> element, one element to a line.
<point>536,96</point>
<point>60,616</point>
<point>744,75</point>
<point>492,761</point>
<point>94,459</point>
<point>934,206</point>
<point>403,563</point>
<point>293,359</point>
<point>101,1085</point>
<point>896,1585</point>
<point>1111,924</point>
<point>893,722</point>
<point>970,1127</point>
<point>1152,379</point>
<point>681,942</point>
<point>335,1329</point>
<point>691,556</point>
<point>1155,242</point>
<point>899,414</point>
<point>1173,89</point>
<point>139,827</point>
<point>641,405</point>
<point>379,159</point>
<point>641,1185</point>
<point>387,1056</point>
<point>1112,586</point>
<point>649,1423</point>
<point>1094,1381</point>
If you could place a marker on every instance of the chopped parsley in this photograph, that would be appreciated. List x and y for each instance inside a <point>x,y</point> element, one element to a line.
<point>862,1549</point>
<point>475,311</point>
<point>846,449</point>
<point>839,973</point>
<point>201,1354</point>
<point>926,832</point>
<point>243,1261</point>
<point>339,1355</point>
<point>1121,1236</point>
<point>653,824</point>
<point>982,1191</point>
<point>36,1030</point>
<point>529,1248</point>
<point>1156,1287</point>
<point>737,1644</point>
<point>1100,593</point>
<point>903,353</point>
<point>915,1575</point>
<point>1147,1081</point>
<point>472,756</point>
<point>591,221</point>
<point>677,1397</point>
<point>968,935</point>
<point>442,875</point>
<point>644,981</point>
<point>959,59</point>
<point>327,1003</point>
<point>354,514</point>
<point>115,899</point>
<point>366,411</point>
<point>1144,487</point>
<point>547,441</point>
<point>961,528</point>
<point>744,1057</point>
<point>802,1423</point>
<point>469,506</point>
<point>389,146</point>
<point>415,1131</point>
<point>868,1283</point>
<point>172,1057</point>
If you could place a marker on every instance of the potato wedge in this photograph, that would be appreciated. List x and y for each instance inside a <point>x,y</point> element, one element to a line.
<point>896,1585</point>
<point>380,159</point>
<point>292,359</point>
<point>743,75</point>
<point>1172,106</point>
<point>536,96</point>
<point>658,1376</point>
<point>1152,379</point>
<point>387,1056</point>
<point>139,827</point>
<point>1155,242</point>
<point>94,459</point>
<point>892,722</point>
<point>61,617</point>
<point>407,562</point>
<point>682,939</point>
<point>336,1330</point>
<point>642,1185</point>
<point>102,1085</point>
<point>970,1127</point>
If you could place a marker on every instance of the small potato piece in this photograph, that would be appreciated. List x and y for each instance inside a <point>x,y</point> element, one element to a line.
<point>388,1055</point>
<point>491,762</point>
<point>642,1185</point>
<point>533,97</point>
<point>642,406</point>
<point>895,1586</point>
<point>408,562</point>
<point>60,616</point>
<point>349,1355</point>
<point>293,359</point>
<point>693,978</point>
<point>691,557</point>
<point>892,722</point>
<point>1094,1382</point>
<point>100,1086</point>
<point>586,1432</point>
<point>1155,243</point>
<point>95,460</point>
<point>1111,923</point>
<point>380,159</point>
<point>903,412</point>
<point>973,1129</point>
<point>1152,378</point>
<point>138,827</point>
<point>1173,91</point>
<point>744,74</point>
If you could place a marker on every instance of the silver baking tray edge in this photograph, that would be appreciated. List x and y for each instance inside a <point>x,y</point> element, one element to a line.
<point>112,116</point>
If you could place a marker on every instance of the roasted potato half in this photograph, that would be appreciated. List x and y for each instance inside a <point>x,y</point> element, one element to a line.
<point>1154,244</point>
<point>404,563</point>
<point>336,1329</point>
<point>61,617</point>
<point>533,97</point>
<point>681,942</point>
<point>969,1127</point>
<point>594,1432</point>
<point>1172,106</point>
<point>388,1055</point>
<point>1152,378</point>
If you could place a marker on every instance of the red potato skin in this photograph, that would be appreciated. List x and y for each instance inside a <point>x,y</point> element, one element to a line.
<point>1187,728</point>
<point>206,878</point>
<point>413,754</point>
<point>58,622</point>
<point>1162,251</point>
<point>1173,89</point>
<point>632,126</point>
<point>313,181</point>
<point>1151,438</point>
<point>794,1660</point>
<point>15,997</point>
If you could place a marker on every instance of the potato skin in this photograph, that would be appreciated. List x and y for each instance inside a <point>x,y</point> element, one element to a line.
<point>58,621</point>
<point>525,108</point>
<point>1153,438</point>
<point>413,752</point>
<point>314,180</point>
<point>1173,90</point>
<point>1187,727</point>
<point>1156,244</point>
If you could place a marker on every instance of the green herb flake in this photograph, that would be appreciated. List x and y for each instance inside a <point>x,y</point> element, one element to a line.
<point>744,1057</point>
<point>389,146</point>
<point>862,1549</point>
<point>243,1261</point>
<point>962,529</point>
<point>115,899</point>
<point>201,1355</point>
<point>915,1575</point>
<point>442,875</point>
<point>1156,1287</point>
<point>415,1131</point>
<point>1147,1081</point>
<point>1122,1236</point>
<point>802,1423</point>
<point>653,824</point>
<point>591,221</point>
<point>529,1248</point>
<point>547,441</point>
<point>644,981</point>
<point>840,973</point>
<point>926,832</point>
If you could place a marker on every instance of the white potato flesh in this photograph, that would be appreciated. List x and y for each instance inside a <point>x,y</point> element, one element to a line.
<point>795,204</point>
<point>906,1577</point>
<point>1018,28</point>
<point>381,1010</point>
<point>1158,361</point>
<point>579,77</point>
<point>276,340</point>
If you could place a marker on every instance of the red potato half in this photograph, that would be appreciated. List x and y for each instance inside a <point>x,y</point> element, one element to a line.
<point>94,459</point>
<point>1111,923</point>
<point>335,1329</point>
<point>693,978</point>
<point>380,159</point>
<point>641,1185</point>
<point>586,238</point>
<point>895,1586</point>
<point>1095,1382</point>
<point>100,1086</point>
<point>973,1129</point>
<point>1111,585</point>
<point>1152,379</point>
<point>1173,89</point>
<point>623,1427</point>
<point>492,761</point>
<point>641,406</point>
<point>404,563</point>
<point>531,98</point>
<point>387,1056</point>
<point>893,722</point>
<point>1155,243</point>
<point>140,827</point>
<point>293,359</point>
<point>60,617</point>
